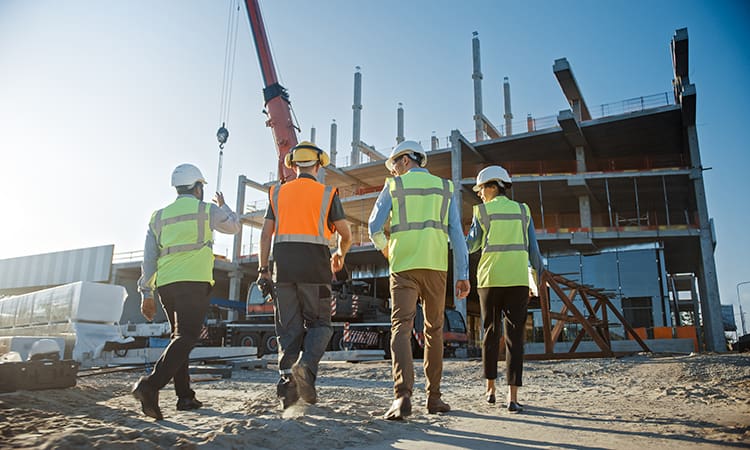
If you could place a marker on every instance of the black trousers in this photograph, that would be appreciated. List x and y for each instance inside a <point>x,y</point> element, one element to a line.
<point>186,304</point>
<point>511,304</point>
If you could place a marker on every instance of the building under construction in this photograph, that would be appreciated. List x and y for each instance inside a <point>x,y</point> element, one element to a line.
<point>616,193</point>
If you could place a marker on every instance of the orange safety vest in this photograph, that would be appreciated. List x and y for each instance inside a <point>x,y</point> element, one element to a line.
<point>301,208</point>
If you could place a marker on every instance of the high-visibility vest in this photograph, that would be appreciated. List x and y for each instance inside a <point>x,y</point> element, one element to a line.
<point>301,208</point>
<point>419,222</point>
<point>505,254</point>
<point>183,234</point>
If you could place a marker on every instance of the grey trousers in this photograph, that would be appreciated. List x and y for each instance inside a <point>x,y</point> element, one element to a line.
<point>303,320</point>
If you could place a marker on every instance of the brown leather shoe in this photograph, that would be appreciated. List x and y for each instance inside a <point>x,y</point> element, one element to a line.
<point>400,408</point>
<point>188,403</point>
<point>286,391</point>
<point>436,405</point>
<point>149,398</point>
<point>305,381</point>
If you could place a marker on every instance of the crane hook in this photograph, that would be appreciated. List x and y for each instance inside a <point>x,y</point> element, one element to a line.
<point>222,135</point>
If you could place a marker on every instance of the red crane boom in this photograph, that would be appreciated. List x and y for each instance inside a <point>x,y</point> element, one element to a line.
<point>278,107</point>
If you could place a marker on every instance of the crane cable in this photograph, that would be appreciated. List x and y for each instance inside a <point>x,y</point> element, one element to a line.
<point>230,50</point>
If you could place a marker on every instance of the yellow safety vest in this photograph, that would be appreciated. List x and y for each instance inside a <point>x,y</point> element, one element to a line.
<point>419,222</point>
<point>505,255</point>
<point>183,234</point>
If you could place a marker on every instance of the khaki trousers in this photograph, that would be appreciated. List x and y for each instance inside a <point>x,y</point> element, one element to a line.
<point>406,288</point>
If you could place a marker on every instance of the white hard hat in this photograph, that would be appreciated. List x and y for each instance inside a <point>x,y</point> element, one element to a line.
<point>44,349</point>
<point>492,173</point>
<point>404,148</point>
<point>187,175</point>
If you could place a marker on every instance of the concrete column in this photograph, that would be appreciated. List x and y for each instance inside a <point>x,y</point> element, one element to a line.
<point>707,280</point>
<point>434,142</point>
<point>584,209</point>
<point>312,135</point>
<point>477,77</point>
<point>584,202</point>
<point>334,130</point>
<point>456,170</point>
<point>357,118</point>
<point>400,123</point>
<point>508,116</point>
<point>235,276</point>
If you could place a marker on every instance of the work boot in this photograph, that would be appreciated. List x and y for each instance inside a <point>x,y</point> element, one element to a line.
<point>286,391</point>
<point>435,405</point>
<point>305,381</point>
<point>149,398</point>
<point>400,408</point>
<point>188,403</point>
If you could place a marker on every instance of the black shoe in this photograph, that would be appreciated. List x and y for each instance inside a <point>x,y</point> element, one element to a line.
<point>491,399</point>
<point>286,391</point>
<point>186,404</point>
<point>514,407</point>
<point>305,381</point>
<point>400,408</point>
<point>149,398</point>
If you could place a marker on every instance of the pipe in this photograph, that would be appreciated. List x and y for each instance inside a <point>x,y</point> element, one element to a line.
<point>357,117</point>
<point>508,114</point>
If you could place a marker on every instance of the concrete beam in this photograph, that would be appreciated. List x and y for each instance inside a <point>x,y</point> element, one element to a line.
<point>571,129</point>
<point>370,151</point>
<point>569,85</point>
<point>489,128</point>
<point>679,46</point>
<point>688,100</point>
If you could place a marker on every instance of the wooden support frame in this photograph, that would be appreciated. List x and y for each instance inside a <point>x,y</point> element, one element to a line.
<point>594,324</point>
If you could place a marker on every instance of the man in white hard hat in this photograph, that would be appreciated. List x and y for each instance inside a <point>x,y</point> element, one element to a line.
<point>504,231</point>
<point>302,218</point>
<point>178,262</point>
<point>423,218</point>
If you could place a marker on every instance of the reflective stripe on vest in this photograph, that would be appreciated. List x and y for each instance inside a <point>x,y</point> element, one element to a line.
<point>504,261</point>
<point>486,220</point>
<point>419,222</point>
<point>201,217</point>
<point>399,194</point>
<point>322,233</point>
<point>183,235</point>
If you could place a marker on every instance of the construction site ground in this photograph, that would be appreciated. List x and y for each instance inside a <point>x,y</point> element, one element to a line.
<point>641,401</point>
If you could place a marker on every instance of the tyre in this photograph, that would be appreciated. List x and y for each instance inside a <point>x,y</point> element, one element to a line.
<point>250,340</point>
<point>270,344</point>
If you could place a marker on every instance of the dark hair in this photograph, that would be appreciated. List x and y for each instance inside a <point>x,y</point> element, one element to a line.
<point>416,157</point>
<point>500,187</point>
<point>188,189</point>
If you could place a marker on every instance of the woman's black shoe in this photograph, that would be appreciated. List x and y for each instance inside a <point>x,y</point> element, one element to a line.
<point>514,407</point>
<point>491,399</point>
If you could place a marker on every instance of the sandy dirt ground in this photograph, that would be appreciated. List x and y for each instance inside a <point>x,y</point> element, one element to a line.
<point>642,401</point>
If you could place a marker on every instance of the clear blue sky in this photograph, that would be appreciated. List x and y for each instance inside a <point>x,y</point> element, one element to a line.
<point>99,100</point>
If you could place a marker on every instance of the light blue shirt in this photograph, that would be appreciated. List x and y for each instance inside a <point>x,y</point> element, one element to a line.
<point>382,209</point>
<point>475,238</point>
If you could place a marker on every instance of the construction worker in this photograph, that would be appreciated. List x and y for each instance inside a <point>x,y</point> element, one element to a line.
<point>504,230</point>
<point>303,216</point>
<point>423,216</point>
<point>178,262</point>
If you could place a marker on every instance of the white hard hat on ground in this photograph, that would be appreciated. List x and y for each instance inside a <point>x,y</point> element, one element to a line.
<point>187,175</point>
<point>492,173</point>
<point>44,349</point>
<point>407,147</point>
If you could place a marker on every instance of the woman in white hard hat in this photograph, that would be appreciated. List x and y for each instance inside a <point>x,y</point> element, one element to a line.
<point>504,231</point>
